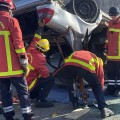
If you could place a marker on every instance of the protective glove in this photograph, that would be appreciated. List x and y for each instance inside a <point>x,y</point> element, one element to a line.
<point>24,64</point>
<point>26,71</point>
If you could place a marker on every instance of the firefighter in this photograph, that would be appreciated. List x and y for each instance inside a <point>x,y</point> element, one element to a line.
<point>13,62</point>
<point>112,50</point>
<point>86,65</point>
<point>39,80</point>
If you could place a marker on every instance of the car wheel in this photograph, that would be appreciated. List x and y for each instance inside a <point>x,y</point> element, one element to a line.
<point>86,10</point>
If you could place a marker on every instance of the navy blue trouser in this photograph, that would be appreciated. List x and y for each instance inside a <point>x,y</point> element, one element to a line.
<point>69,73</point>
<point>22,91</point>
<point>42,88</point>
<point>113,75</point>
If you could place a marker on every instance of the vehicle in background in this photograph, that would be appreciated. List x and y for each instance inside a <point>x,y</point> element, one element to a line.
<point>86,19</point>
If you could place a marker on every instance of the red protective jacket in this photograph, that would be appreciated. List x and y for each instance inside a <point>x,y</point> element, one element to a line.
<point>113,41</point>
<point>87,61</point>
<point>37,63</point>
<point>11,46</point>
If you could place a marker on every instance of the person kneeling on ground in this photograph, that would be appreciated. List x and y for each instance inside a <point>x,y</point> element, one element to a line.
<point>39,80</point>
<point>84,64</point>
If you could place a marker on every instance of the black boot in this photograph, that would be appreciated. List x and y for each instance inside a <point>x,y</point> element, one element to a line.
<point>106,112</point>
<point>75,105</point>
<point>43,104</point>
<point>10,118</point>
<point>28,116</point>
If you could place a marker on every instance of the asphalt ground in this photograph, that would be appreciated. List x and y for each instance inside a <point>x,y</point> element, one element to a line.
<point>61,110</point>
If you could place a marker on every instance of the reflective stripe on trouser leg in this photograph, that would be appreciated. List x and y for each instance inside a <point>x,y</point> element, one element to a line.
<point>118,82</point>
<point>6,97</point>
<point>111,82</point>
<point>26,110</point>
<point>8,109</point>
<point>22,91</point>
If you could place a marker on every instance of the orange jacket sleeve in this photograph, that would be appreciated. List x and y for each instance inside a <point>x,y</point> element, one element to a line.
<point>37,37</point>
<point>40,66</point>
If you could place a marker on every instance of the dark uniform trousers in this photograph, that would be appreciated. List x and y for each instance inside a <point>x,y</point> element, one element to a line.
<point>69,74</point>
<point>42,88</point>
<point>113,75</point>
<point>22,91</point>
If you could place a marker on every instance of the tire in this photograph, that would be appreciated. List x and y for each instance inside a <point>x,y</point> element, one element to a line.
<point>86,10</point>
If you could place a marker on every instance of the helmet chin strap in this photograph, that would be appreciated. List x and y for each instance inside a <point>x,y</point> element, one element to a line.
<point>38,49</point>
<point>10,12</point>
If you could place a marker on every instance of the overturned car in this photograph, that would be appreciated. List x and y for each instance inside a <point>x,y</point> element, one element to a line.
<point>88,30</point>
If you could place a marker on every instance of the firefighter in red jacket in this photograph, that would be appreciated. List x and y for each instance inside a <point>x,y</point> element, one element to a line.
<point>112,49</point>
<point>39,80</point>
<point>13,63</point>
<point>84,64</point>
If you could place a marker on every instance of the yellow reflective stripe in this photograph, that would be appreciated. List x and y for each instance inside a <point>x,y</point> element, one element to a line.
<point>37,36</point>
<point>89,66</point>
<point>114,30</point>
<point>97,61</point>
<point>30,67</point>
<point>4,33</point>
<point>2,25</point>
<point>22,50</point>
<point>113,57</point>
<point>18,72</point>
<point>8,55</point>
<point>32,84</point>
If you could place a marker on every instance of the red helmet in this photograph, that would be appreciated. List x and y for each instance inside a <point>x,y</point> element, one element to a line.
<point>7,3</point>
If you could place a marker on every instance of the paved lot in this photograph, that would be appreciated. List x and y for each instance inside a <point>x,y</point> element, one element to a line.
<point>60,110</point>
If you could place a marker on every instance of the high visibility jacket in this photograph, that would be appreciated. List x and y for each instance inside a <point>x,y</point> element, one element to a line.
<point>87,61</point>
<point>11,46</point>
<point>37,37</point>
<point>113,41</point>
<point>37,65</point>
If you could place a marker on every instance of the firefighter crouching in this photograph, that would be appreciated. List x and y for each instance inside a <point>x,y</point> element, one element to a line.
<point>112,51</point>
<point>39,80</point>
<point>85,65</point>
<point>12,67</point>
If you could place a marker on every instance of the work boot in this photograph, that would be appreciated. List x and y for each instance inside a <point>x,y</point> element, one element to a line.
<point>28,116</point>
<point>10,118</point>
<point>116,93</point>
<point>75,105</point>
<point>43,104</point>
<point>106,112</point>
<point>109,91</point>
